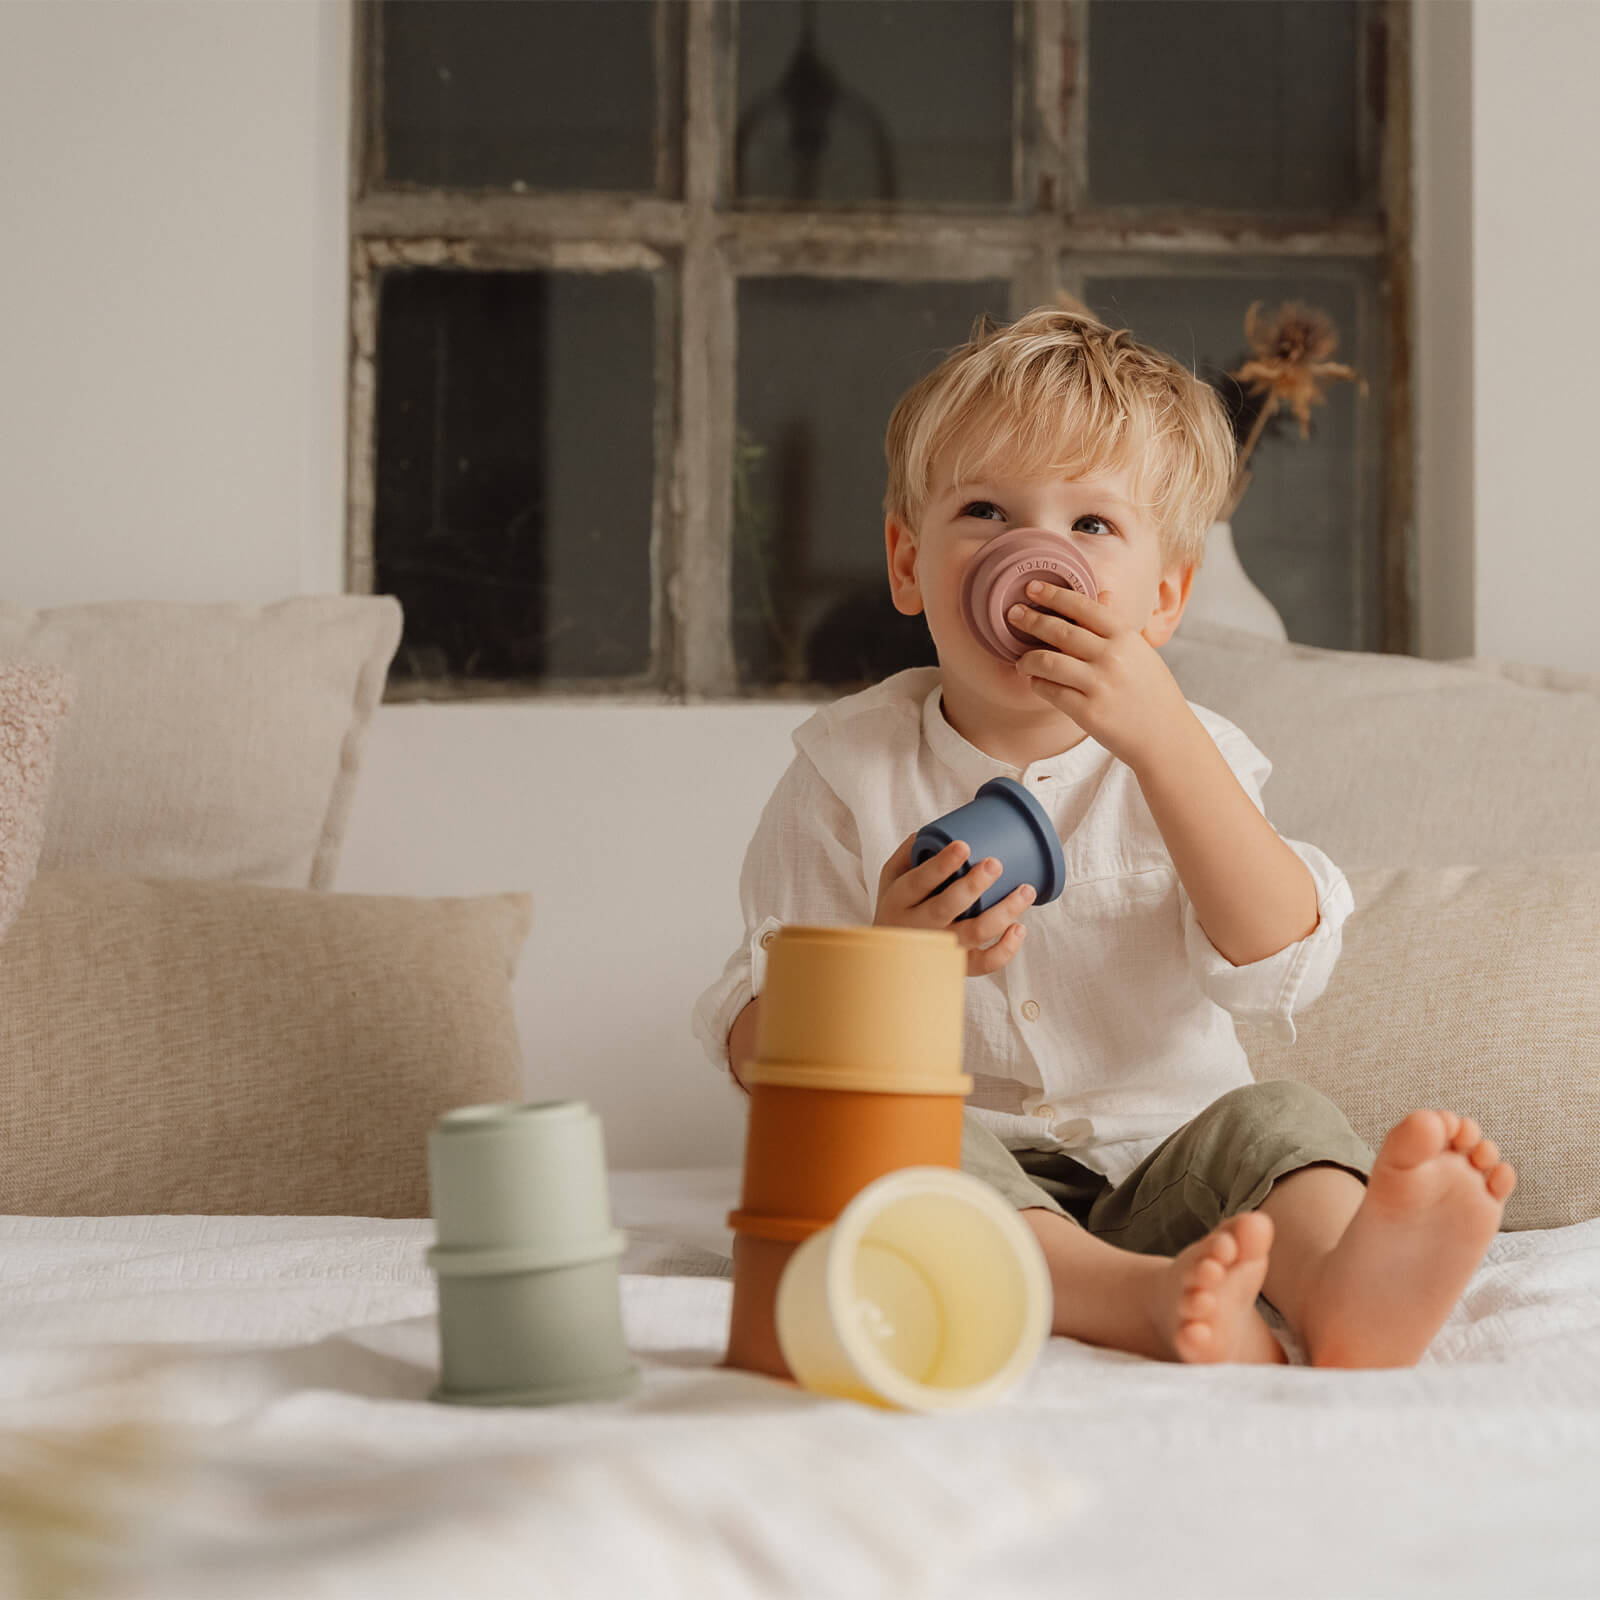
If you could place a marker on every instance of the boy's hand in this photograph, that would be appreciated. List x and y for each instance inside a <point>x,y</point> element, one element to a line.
<point>903,902</point>
<point>1101,671</point>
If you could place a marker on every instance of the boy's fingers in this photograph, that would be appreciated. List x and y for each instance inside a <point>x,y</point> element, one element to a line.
<point>988,927</point>
<point>982,962</point>
<point>1057,632</point>
<point>920,882</point>
<point>965,891</point>
<point>1095,615</point>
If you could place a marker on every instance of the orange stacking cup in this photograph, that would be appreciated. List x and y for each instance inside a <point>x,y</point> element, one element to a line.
<point>809,1152</point>
<point>857,1074</point>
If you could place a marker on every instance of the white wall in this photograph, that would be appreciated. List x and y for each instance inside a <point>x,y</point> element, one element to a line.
<point>628,825</point>
<point>172,177</point>
<point>1536,256</point>
<point>172,184</point>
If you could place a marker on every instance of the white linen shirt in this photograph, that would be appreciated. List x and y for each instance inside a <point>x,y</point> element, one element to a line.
<point>1112,1026</point>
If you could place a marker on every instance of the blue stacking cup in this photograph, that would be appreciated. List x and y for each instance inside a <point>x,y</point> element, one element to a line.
<point>1004,821</point>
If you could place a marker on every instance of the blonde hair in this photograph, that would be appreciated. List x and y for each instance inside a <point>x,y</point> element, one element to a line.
<point>1058,393</point>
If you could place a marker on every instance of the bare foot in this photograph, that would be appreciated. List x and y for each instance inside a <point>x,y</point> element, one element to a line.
<point>1432,1205</point>
<point>1203,1305</point>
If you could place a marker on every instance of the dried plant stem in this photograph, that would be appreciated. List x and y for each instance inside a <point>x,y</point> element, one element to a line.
<point>1241,477</point>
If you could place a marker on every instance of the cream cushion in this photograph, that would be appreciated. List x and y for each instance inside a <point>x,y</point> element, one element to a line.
<point>172,1046</point>
<point>209,741</point>
<point>1476,990</point>
<point>1390,760</point>
<point>33,703</point>
<point>1463,801</point>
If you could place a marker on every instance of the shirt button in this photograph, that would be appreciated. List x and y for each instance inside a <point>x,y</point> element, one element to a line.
<point>1045,1113</point>
<point>1030,1010</point>
<point>768,937</point>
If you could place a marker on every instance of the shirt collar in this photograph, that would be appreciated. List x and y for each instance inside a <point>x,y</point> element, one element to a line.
<point>974,767</point>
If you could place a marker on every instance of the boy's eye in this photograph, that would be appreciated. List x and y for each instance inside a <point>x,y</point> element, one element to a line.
<point>1090,516</point>
<point>977,508</point>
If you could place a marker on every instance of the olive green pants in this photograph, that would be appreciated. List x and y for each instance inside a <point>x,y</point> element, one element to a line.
<point>1216,1165</point>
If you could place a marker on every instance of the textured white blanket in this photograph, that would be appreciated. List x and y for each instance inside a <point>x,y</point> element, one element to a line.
<point>226,1408</point>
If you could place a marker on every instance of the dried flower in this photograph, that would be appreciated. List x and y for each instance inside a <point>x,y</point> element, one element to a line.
<point>1288,366</point>
<point>1291,358</point>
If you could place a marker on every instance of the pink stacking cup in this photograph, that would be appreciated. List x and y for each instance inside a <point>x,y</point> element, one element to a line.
<point>998,579</point>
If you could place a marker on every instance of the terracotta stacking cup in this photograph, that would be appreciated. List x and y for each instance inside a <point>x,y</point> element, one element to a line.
<point>760,1253</point>
<point>928,1293</point>
<point>857,1074</point>
<point>526,1257</point>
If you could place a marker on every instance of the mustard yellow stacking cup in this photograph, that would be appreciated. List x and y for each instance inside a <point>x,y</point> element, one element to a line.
<point>876,1009</point>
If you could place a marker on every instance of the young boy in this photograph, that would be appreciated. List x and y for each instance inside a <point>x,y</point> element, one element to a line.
<point>1113,1104</point>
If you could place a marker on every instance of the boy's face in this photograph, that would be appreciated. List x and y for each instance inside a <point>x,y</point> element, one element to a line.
<point>927,566</point>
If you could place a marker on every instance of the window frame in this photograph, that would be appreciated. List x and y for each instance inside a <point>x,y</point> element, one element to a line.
<point>699,245</point>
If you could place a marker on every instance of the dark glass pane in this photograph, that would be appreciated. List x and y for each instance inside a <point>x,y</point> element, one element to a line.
<point>1231,104</point>
<point>875,101</point>
<point>821,364</point>
<point>1306,531</point>
<point>515,472</point>
<point>553,94</point>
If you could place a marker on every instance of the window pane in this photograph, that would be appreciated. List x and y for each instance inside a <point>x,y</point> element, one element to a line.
<point>875,101</point>
<point>1225,103</point>
<point>515,471</point>
<point>1307,529</point>
<point>554,94</point>
<point>821,364</point>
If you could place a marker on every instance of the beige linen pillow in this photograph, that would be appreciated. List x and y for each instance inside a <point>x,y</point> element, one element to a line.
<point>209,741</point>
<point>1381,759</point>
<point>33,704</point>
<point>1474,989</point>
<point>172,1046</point>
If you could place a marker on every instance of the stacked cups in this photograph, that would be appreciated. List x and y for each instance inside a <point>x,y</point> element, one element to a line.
<point>857,1074</point>
<point>526,1257</point>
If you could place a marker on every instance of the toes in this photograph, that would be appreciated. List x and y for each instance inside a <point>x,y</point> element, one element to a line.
<point>1252,1230</point>
<point>1197,1305</point>
<point>1501,1181</point>
<point>1417,1138</point>
<point>1452,1124</point>
<point>1466,1136</point>
<point>1483,1155</point>
<point>1195,1340</point>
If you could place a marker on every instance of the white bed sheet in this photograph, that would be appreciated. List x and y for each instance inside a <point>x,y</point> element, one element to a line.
<point>276,1367</point>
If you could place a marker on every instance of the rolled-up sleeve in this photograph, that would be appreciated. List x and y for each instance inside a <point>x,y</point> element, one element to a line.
<point>803,865</point>
<point>1268,993</point>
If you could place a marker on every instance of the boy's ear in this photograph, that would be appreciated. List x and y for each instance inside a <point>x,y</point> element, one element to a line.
<point>1172,596</point>
<point>900,546</point>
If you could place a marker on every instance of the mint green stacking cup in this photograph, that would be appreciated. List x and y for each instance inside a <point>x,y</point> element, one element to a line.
<point>526,1257</point>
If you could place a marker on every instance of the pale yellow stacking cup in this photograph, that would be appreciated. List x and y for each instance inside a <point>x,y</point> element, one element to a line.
<point>928,1293</point>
